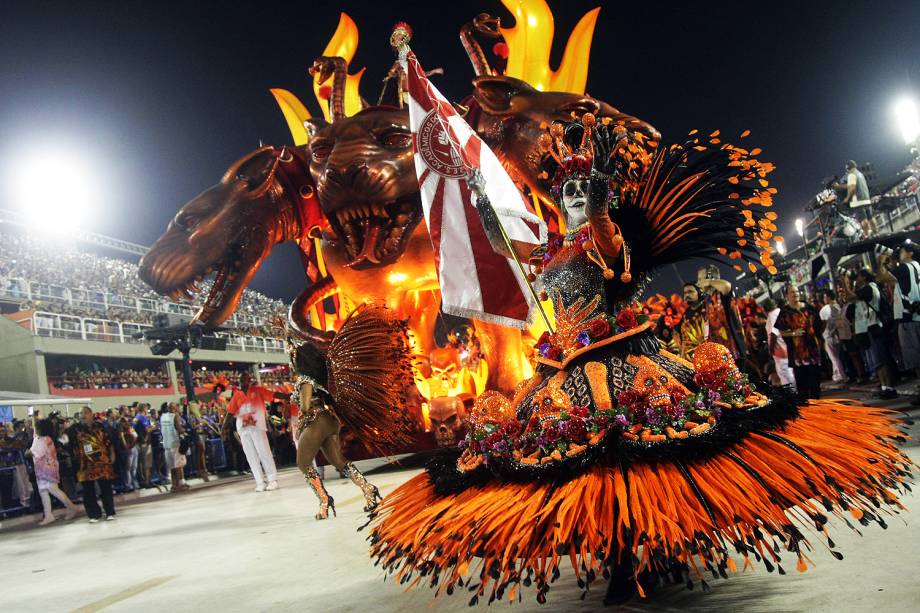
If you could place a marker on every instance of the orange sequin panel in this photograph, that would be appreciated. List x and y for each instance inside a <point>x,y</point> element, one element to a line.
<point>597,379</point>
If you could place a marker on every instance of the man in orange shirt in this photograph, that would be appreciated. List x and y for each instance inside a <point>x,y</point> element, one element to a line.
<point>248,406</point>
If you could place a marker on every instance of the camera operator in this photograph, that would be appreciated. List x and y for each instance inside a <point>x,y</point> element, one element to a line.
<point>858,196</point>
<point>904,275</point>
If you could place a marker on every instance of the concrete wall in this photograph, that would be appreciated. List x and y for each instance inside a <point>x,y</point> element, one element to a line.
<point>22,367</point>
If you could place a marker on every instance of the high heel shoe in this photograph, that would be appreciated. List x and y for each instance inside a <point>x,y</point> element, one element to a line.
<point>326,502</point>
<point>371,493</point>
<point>375,499</point>
<point>325,508</point>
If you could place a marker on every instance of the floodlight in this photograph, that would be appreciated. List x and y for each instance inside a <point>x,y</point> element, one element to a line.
<point>905,111</point>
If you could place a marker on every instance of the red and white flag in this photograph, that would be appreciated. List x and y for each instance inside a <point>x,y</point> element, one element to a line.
<point>476,282</point>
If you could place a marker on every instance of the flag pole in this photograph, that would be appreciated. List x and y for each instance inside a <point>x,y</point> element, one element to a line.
<point>511,249</point>
<point>399,40</point>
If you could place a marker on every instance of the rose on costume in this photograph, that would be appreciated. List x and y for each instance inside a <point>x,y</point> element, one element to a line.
<point>550,434</point>
<point>678,394</point>
<point>511,428</point>
<point>575,430</point>
<point>628,398</point>
<point>599,328</point>
<point>626,319</point>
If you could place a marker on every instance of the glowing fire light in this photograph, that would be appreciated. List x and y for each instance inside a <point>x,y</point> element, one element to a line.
<point>529,43</point>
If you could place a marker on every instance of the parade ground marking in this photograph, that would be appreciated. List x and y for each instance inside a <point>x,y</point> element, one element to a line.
<point>123,595</point>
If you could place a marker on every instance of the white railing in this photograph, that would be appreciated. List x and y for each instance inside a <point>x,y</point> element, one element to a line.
<point>239,342</point>
<point>22,289</point>
<point>56,325</point>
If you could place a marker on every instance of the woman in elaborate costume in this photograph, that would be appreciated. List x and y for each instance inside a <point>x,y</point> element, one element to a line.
<point>618,455</point>
<point>359,380</point>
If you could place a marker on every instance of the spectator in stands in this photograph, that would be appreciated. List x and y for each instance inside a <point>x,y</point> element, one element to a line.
<point>869,333</point>
<point>65,457</point>
<point>233,445</point>
<point>15,440</point>
<point>857,370</point>
<point>796,324</point>
<point>47,471</point>
<point>95,458</point>
<point>200,432</point>
<point>777,347</point>
<point>144,453</point>
<point>172,429</point>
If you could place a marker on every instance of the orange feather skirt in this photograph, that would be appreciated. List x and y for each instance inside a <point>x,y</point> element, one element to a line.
<point>764,498</point>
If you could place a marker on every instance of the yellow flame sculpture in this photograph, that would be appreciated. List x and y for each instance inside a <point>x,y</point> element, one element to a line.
<point>343,44</point>
<point>529,43</point>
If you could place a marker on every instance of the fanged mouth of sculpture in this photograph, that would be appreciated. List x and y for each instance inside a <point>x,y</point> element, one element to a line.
<point>226,277</point>
<point>658,399</point>
<point>375,234</point>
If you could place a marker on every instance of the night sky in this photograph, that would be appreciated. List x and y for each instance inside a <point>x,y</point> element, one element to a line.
<point>161,97</point>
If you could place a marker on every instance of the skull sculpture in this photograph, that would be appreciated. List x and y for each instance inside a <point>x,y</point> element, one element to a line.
<point>549,401</point>
<point>491,408</point>
<point>445,371</point>
<point>653,383</point>
<point>714,364</point>
<point>447,416</point>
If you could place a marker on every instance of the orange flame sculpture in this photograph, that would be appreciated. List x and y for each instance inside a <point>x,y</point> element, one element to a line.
<point>529,43</point>
<point>343,44</point>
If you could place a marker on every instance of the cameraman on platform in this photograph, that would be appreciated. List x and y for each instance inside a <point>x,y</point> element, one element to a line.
<point>858,196</point>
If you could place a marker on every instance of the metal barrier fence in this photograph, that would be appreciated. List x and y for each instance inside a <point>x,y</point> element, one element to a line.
<point>55,325</point>
<point>15,485</point>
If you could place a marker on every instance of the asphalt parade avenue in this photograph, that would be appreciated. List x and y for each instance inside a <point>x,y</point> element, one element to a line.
<point>227,548</point>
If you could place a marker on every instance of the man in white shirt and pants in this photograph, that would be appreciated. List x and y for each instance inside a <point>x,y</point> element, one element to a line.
<point>248,405</point>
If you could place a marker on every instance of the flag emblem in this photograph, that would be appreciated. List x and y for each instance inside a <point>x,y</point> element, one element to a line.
<point>436,150</point>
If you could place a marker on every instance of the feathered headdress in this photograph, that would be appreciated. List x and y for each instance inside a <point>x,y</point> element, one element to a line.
<point>698,198</point>
<point>218,384</point>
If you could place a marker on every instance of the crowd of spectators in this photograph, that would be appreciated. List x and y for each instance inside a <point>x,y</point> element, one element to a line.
<point>133,440</point>
<point>279,376</point>
<point>114,378</point>
<point>866,331</point>
<point>34,259</point>
<point>203,378</point>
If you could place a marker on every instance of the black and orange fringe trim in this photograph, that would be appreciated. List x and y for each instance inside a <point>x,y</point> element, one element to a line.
<point>754,498</point>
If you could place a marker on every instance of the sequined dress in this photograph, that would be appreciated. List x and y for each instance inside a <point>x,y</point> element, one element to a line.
<point>617,454</point>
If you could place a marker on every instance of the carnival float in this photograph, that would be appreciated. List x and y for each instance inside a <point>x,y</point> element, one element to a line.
<point>586,440</point>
